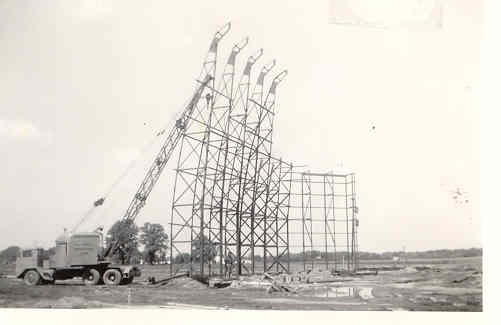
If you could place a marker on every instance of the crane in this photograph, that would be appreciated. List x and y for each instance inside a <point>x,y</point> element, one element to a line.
<point>78,254</point>
<point>139,199</point>
<point>158,165</point>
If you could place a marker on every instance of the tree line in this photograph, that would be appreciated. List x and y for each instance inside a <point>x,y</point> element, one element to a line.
<point>438,253</point>
<point>149,244</point>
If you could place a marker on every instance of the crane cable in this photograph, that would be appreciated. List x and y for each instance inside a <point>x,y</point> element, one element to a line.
<point>117,181</point>
<point>128,169</point>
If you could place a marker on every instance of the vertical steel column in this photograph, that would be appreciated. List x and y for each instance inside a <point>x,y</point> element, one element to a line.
<point>287,218</point>
<point>311,221</point>
<point>221,170</point>
<point>325,224</point>
<point>347,224</point>
<point>355,223</point>
<point>303,221</point>
<point>276,216</point>
<point>334,218</point>
<point>188,202</point>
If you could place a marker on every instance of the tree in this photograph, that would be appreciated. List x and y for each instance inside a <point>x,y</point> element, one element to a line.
<point>154,239</point>
<point>182,258</point>
<point>9,254</point>
<point>209,249</point>
<point>125,233</point>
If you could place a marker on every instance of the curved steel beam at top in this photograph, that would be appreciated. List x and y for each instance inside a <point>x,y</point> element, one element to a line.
<point>278,79</point>
<point>252,59</point>
<point>218,36</point>
<point>264,71</point>
<point>236,49</point>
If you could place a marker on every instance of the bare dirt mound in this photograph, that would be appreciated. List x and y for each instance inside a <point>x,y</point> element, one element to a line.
<point>185,283</point>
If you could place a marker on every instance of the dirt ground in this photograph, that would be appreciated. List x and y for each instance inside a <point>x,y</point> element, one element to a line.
<point>452,286</point>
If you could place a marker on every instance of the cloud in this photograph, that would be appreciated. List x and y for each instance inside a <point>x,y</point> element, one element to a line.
<point>22,130</point>
<point>387,13</point>
<point>89,9</point>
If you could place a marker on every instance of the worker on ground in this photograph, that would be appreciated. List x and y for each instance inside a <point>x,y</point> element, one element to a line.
<point>229,259</point>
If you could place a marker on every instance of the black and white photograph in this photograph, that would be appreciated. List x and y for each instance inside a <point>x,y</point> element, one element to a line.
<point>241,156</point>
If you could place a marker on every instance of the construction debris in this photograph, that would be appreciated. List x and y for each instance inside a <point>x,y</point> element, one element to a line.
<point>276,286</point>
<point>381,268</point>
<point>183,282</point>
<point>166,280</point>
<point>219,283</point>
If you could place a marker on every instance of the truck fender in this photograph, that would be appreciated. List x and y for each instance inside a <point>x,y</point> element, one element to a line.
<point>45,274</point>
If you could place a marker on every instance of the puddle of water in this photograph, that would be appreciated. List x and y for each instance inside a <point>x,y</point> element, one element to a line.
<point>336,292</point>
<point>340,292</point>
<point>366,293</point>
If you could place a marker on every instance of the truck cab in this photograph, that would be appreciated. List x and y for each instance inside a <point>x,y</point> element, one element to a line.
<point>29,258</point>
<point>32,267</point>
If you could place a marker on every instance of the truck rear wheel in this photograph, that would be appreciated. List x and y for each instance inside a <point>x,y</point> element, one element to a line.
<point>32,278</point>
<point>91,277</point>
<point>112,277</point>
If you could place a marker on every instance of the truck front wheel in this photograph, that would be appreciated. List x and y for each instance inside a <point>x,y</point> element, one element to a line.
<point>112,277</point>
<point>32,278</point>
<point>91,277</point>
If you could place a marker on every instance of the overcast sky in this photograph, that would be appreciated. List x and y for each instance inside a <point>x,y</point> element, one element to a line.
<point>85,84</point>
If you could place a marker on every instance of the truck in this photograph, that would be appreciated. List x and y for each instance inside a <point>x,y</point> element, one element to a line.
<point>76,255</point>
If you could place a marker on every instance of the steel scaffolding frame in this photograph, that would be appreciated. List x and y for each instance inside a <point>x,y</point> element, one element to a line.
<point>231,194</point>
<point>226,177</point>
<point>325,221</point>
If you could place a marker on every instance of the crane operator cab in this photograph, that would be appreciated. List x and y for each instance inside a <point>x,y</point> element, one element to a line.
<point>77,255</point>
<point>79,249</point>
